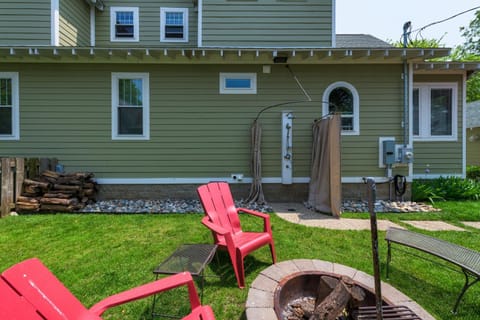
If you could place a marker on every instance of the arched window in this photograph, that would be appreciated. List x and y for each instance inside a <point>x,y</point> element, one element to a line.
<point>341,97</point>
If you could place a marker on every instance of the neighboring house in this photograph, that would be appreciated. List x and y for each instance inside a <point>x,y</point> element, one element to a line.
<point>156,97</point>
<point>473,133</point>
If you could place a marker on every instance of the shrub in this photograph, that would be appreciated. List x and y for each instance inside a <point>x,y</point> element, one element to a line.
<point>423,190</point>
<point>473,172</point>
<point>445,188</point>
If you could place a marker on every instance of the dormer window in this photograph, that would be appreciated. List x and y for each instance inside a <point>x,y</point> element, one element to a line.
<point>173,24</point>
<point>124,25</point>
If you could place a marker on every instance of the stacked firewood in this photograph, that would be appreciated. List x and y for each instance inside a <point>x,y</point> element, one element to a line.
<point>57,192</point>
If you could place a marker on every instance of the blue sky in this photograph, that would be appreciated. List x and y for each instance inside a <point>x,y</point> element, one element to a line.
<point>385,18</point>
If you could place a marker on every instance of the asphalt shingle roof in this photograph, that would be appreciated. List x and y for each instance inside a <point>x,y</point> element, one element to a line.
<point>360,41</point>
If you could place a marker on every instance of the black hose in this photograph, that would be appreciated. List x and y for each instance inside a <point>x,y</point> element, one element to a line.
<point>400,183</point>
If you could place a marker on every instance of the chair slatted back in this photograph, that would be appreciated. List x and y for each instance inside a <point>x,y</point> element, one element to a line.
<point>37,285</point>
<point>13,306</point>
<point>219,206</point>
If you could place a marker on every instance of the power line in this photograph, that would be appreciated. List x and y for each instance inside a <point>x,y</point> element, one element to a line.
<point>449,18</point>
<point>419,30</point>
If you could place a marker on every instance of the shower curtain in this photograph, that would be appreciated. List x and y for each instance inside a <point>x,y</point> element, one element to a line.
<point>325,189</point>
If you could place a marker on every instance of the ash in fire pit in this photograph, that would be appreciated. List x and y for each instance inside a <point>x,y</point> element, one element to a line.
<point>316,295</point>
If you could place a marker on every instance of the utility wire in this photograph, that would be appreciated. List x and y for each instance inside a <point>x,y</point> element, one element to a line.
<point>419,30</point>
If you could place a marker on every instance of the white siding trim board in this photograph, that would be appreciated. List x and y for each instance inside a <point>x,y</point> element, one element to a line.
<point>200,24</point>
<point>55,23</point>
<point>245,180</point>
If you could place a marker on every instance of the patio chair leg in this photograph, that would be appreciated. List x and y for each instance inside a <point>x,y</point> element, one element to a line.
<point>272,251</point>
<point>389,258</point>
<point>241,272</point>
<point>467,285</point>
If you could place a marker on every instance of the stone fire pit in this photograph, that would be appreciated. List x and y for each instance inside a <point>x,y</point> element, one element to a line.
<point>260,301</point>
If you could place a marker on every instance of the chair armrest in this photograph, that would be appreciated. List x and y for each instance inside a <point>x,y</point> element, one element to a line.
<point>264,216</point>
<point>149,289</point>
<point>214,227</point>
<point>254,213</point>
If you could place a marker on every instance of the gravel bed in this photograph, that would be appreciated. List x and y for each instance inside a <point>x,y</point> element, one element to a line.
<point>159,206</point>
<point>194,206</point>
<point>388,206</point>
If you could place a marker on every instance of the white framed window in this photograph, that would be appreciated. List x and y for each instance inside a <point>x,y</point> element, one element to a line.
<point>124,24</point>
<point>238,83</point>
<point>173,24</point>
<point>342,97</point>
<point>434,111</point>
<point>9,106</point>
<point>130,106</point>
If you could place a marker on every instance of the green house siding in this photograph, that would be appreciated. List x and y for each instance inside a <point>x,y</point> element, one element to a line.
<point>442,157</point>
<point>149,20</point>
<point>267,23</point>
<point>65,112</point>
<point>24,23</point>
<point>74,23</point>
<point>473,146</point>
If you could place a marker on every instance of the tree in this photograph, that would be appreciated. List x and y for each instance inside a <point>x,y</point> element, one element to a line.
<point>420,43</point>
<point>470,51</point>
<point>471,34</point>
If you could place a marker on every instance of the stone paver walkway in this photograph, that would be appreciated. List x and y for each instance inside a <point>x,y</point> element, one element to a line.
<point>433,225</point>
<point>298,213</point>
<point>473,224</point>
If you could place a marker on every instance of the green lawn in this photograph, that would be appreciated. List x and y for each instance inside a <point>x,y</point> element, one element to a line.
<point>96,255</point>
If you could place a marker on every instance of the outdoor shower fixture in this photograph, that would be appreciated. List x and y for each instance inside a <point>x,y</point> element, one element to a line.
<point>287,143</point>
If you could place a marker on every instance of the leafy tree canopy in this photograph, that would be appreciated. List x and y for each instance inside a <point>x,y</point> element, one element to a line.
<point>470,51</point>
<point>471,34</point>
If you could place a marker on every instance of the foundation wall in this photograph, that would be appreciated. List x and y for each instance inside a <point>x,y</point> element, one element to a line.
<point>273,192</point>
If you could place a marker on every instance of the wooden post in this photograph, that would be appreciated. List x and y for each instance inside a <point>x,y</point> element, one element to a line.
<point>371,191</point>
<point>32,168</point>
<point>19,177</point>
<point>8,182</point>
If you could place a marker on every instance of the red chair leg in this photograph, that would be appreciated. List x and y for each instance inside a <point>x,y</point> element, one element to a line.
<point>241,272</point>
<point>272,251</point>
<point>235,264</point>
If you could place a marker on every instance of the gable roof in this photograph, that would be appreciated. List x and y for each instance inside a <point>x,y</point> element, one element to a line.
<point>360,41</point>
<point>473,114</point>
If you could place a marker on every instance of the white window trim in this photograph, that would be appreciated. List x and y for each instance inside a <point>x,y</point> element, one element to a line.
<point>163,12</point>
<point>356,105</point>
<point>136,24</point>
<point>15,107</point>
<point>145,107</point>
<point>424,99</point>
<point>237,75</point>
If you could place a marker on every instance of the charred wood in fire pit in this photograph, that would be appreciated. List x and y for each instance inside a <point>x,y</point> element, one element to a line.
<point>332,306</point>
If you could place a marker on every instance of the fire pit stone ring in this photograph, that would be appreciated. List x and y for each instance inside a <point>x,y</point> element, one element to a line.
<point>261,295</point>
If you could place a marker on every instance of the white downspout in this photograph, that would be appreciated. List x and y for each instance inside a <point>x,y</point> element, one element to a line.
<point>410,116</point>
<point>464,124</point>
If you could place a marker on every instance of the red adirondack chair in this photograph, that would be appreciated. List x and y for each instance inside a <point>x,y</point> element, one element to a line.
<point>221,217</point>
<point>29,291</point>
